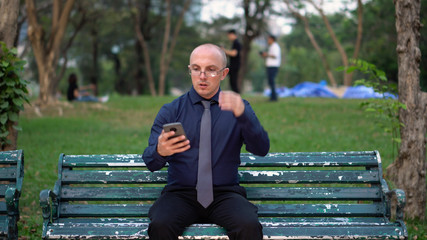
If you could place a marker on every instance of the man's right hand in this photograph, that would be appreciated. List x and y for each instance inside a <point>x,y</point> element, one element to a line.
<point>167,146</point>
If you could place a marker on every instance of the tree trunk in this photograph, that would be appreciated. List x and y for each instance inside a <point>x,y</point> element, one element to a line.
<point>166,36</point>
<point>143,43</point>
<point>408,172</point>
<point>314,43</point>
<point>347,81</point>
<point>255,12</point>
<point>47,54</point>
<point>166,56</point>
<point>244,57</point>
<point>9,11</point>
<point>359,33</point>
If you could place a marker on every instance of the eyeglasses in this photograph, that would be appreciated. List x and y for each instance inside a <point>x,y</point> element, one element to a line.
<point>197,72</point>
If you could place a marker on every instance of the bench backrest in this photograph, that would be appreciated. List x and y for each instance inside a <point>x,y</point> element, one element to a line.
<point>327,184</point>
<point>11,173</point>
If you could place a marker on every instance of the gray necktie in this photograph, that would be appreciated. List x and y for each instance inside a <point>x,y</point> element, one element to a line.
<point>204,174</point>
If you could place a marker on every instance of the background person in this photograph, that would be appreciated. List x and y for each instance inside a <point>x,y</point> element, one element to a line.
<point>234,63</point>
<point>272,64</point>
<point>233,123</point>
<point>82,94</point>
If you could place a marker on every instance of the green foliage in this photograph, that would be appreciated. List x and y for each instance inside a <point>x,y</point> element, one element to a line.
<point>13,91</point>
<point>386,109</point>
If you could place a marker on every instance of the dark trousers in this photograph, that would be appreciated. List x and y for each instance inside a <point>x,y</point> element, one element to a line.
<point>271,75</point>
<point>177,208</point>
<point>234,73</point>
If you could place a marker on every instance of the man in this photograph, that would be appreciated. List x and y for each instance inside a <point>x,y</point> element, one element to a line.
<point>272,63</point>
<point>233,122</point>
<point>234,54</point>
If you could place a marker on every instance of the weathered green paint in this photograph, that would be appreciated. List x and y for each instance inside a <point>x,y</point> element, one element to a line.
<point>108,197</point>
<point>11,178</point>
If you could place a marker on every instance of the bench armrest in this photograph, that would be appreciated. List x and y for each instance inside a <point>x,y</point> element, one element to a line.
<point>49,204</point>
<point>401,201</point>
<point>12,201</point>
<point>400,196</point>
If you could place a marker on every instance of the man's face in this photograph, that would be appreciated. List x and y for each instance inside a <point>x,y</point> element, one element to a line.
<point>231,36</point>
<point>207,59</point>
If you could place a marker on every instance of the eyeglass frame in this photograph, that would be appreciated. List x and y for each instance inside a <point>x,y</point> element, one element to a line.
<point>216,72</point>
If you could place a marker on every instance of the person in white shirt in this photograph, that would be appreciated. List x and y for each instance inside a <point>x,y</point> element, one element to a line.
<point>272,63</point>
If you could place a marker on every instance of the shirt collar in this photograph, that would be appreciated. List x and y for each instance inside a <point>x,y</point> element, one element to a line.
<point>196,98</point>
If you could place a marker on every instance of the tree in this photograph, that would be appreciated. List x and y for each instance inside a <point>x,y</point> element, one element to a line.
<point>168,45</point>
<point>254,12</point>
<point>46,48</point>
<point>141,19</point>
<point>409,169</point>
<point>313,41</point>
<point>293,8</point>
<point>9,12</point>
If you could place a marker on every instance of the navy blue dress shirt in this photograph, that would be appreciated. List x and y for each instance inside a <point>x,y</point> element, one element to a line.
<point>228,135</point>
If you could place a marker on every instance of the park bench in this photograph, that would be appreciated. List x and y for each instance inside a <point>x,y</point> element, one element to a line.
<point>11,177</point>
<point>328,195</point>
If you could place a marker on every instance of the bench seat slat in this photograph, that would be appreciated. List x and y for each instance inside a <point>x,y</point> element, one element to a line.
<point>264,210</point>
<point>3,188</point>
<point>113,160</point>
<point>268,221</point>
<point>8,173</point>
<point>3,226</point>
<point>253,193</point>
<point>3,209</point>
<point>135,176</point>
<point>209,231</point>
<point>320,159</point>
<point>316,159</point>
<point>10,157</point>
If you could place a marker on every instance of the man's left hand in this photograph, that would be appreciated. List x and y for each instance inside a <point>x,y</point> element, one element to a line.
<point>231,101</point>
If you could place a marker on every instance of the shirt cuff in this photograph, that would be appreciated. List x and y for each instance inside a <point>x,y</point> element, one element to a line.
<point>158,157</point>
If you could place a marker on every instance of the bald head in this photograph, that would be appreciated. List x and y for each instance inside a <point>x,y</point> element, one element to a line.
<point>214,49</point>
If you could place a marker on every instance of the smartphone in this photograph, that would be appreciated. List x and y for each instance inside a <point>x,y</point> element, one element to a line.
<point>176,127</point>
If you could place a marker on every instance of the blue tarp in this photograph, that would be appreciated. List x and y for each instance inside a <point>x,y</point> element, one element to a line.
<point>310,89</point>
<point>365,92</point>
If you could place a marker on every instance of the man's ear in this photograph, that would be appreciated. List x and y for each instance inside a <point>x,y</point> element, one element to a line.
<point>224,73</point>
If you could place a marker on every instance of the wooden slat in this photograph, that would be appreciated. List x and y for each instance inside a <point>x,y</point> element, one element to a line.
<point>107,194</point>
<point>114,160</point>
<point>3,209</point>
<point>209,231</point>
<point>141,176</point>
<point>264,210</point>
<point>266,221</point>
<point>320,176</point>
<point>115,176</point>
<point>3,226</point>
<point>321,159</point>
<point>318,193</point>
<point>321,210</point>
<point>104,210</point>
<point>10,157</point>
<point>8,173</point>
<point>334,232</point>
<point>3,188</point>
<point>254,193</point>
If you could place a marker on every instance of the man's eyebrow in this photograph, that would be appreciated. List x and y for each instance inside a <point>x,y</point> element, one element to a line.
<point>195,65</point>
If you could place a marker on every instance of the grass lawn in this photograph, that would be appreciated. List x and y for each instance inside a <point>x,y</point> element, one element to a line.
<point>123,125</point>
